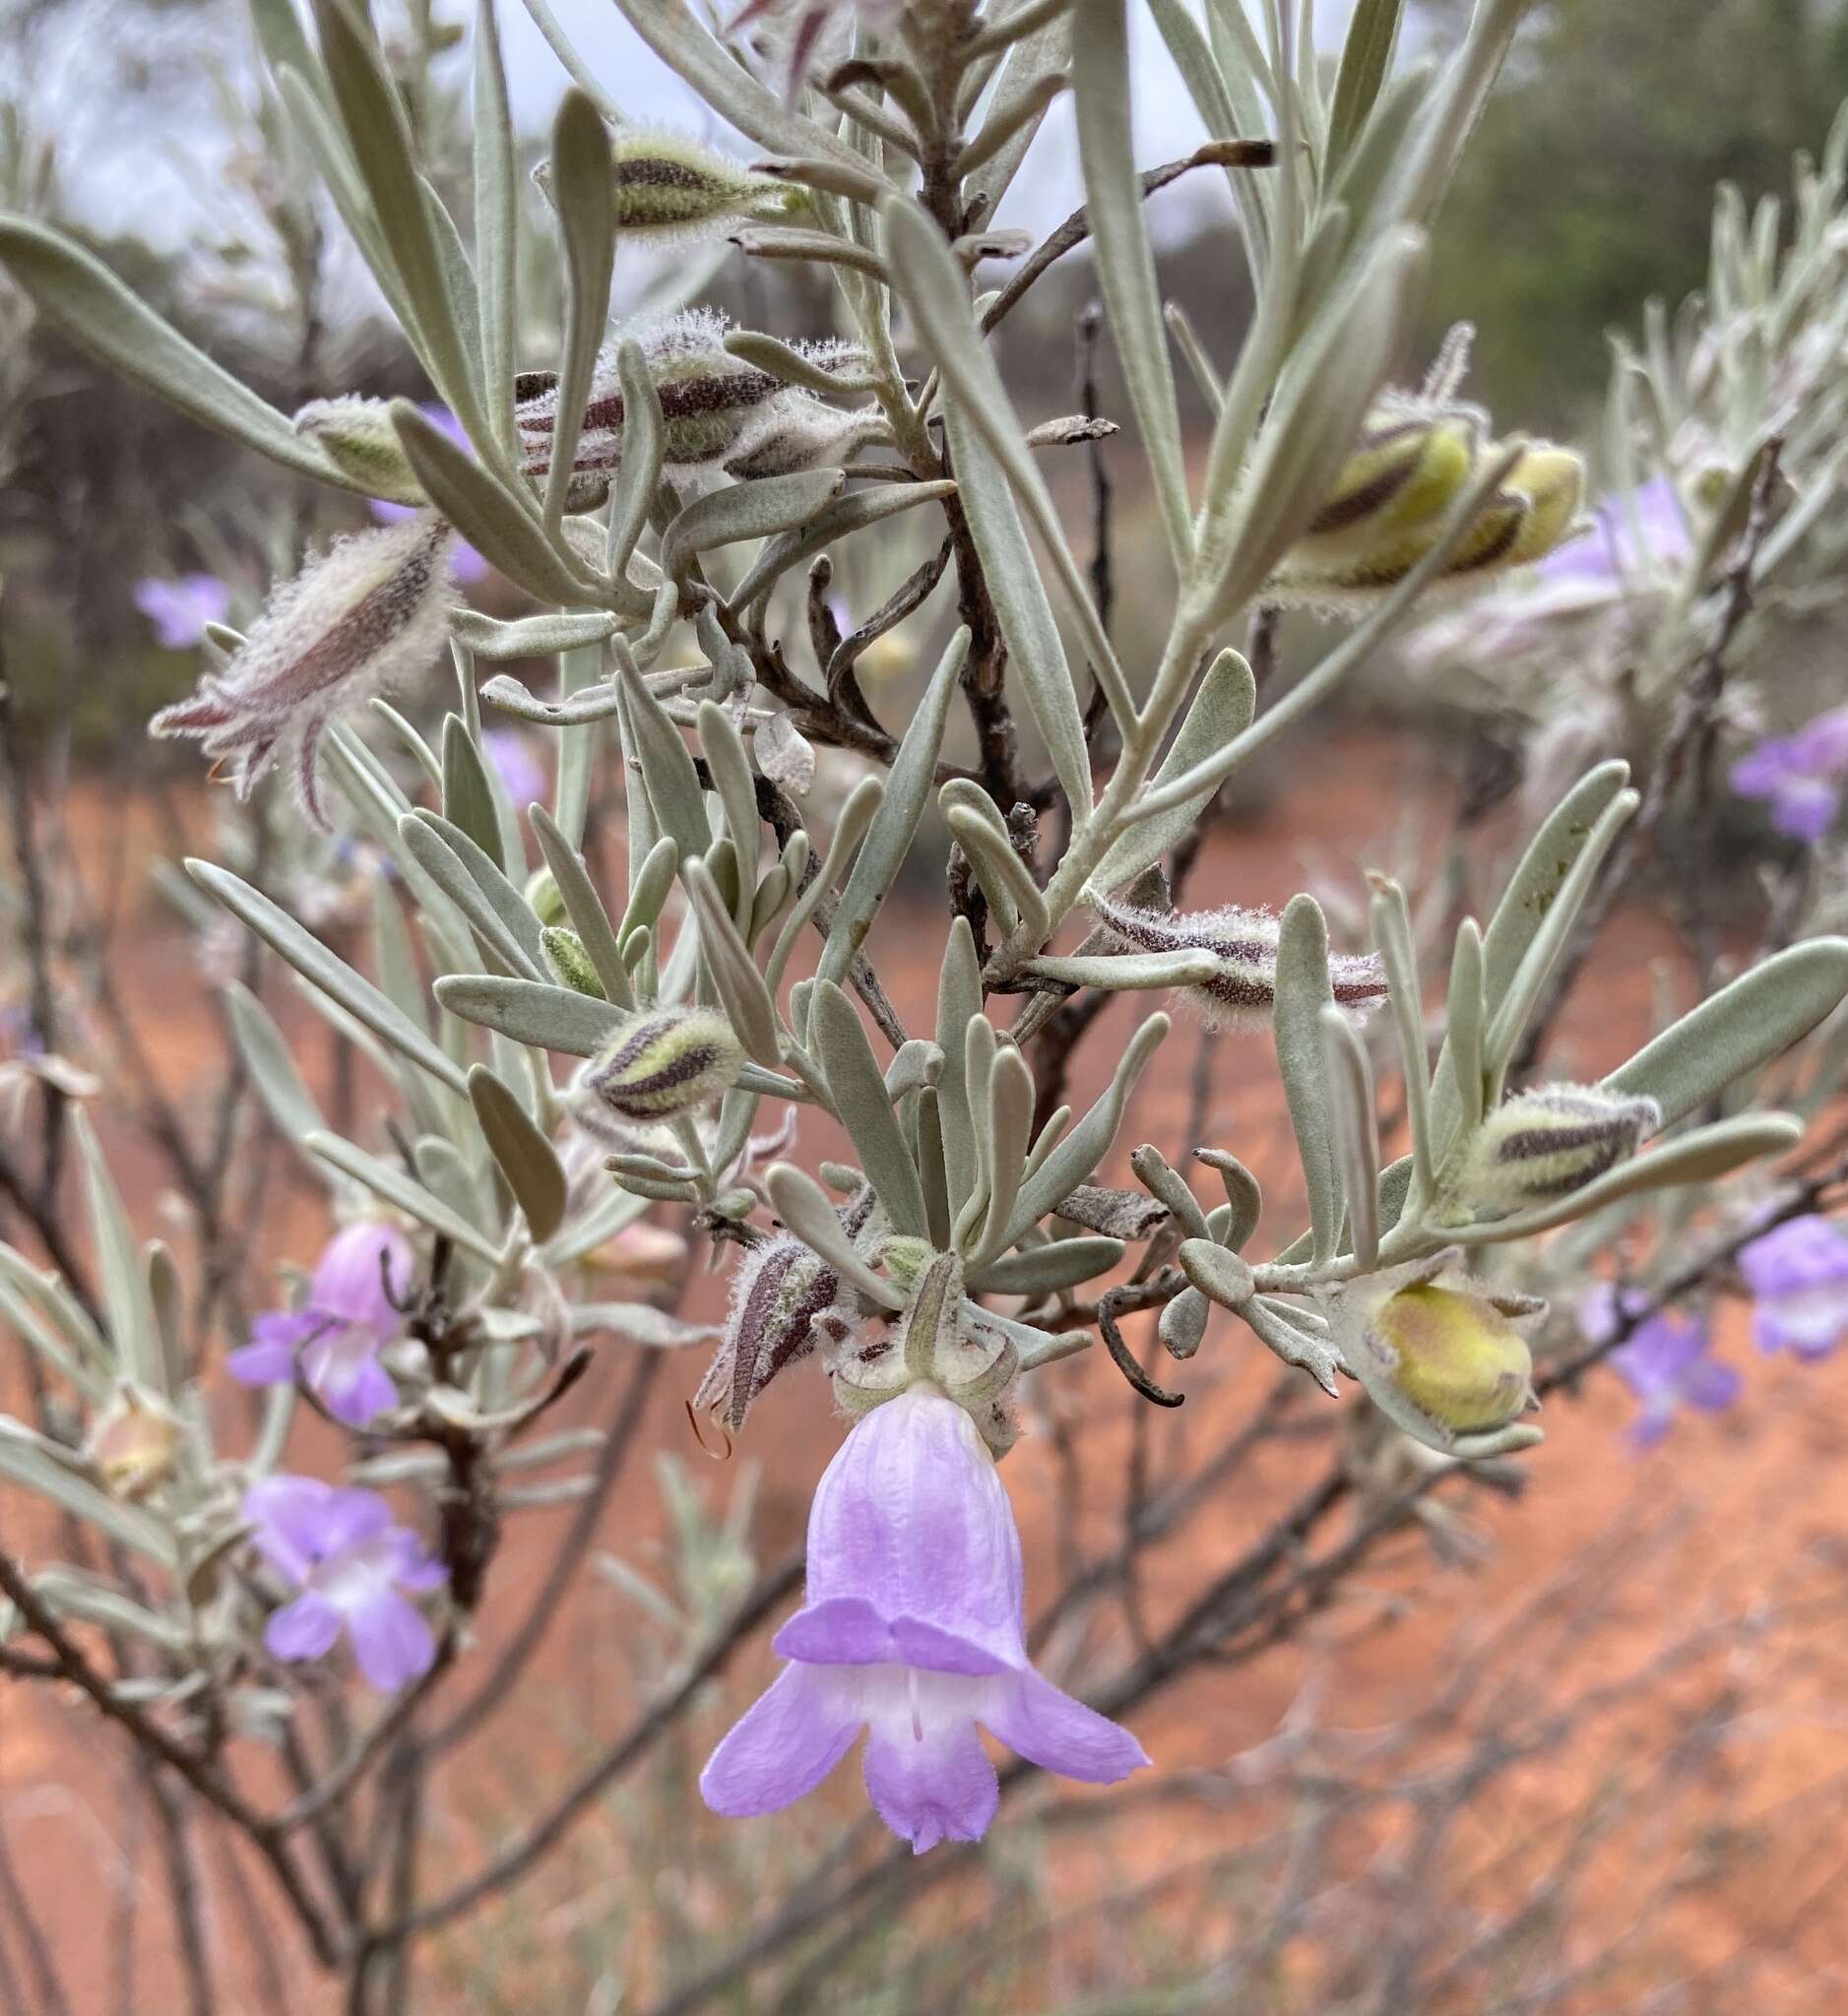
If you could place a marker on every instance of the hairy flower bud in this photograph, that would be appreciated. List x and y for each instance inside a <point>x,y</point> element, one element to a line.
<point>369,612</point>
<point>1243,944</point>
<point>664,1062</point>
<point>1440,1354</point>
<point>668,186</point>
<point>136,1444</point>
<point>1544,1144</point>
<point>800,432</point>
<point>565,955</point>
<point>357,437</point>
<point>780,1293</point>
<point>543,898</point>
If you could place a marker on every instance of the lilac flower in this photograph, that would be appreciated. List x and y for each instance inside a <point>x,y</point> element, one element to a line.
<point>521,773</point>
<point>1629,536</point>
<point>337,1333</point>
<point>467,567</point>
<point>1800,775</point>
<point>912,1629</point>
<point>179,609</point>
<point>1667,1362</point>
<point>356,1570</point>
<point>1797,1275</point>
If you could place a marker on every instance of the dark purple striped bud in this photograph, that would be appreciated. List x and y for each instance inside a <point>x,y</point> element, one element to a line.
<point>664,1062</point>
<point>366,614</point>
<point>1542,1144</point>
<point>780,1293</point>
<point>1243,944</point>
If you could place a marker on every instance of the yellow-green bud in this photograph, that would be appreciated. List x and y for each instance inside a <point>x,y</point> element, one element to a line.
<point>905,1258</point>
<point>664,1062</point>
<point>357,437</point>
<point>668,186</point>
<point>136,1444</point>
<point>543,900</point>
<point>565,955</point>
<point>1542,1144</point>
<point>1439,1353</point>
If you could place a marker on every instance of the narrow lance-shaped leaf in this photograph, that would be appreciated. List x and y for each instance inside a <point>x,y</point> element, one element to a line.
<point>1304,991</point>
<point>526,1157</point>
<point>118,1261</point>
<point>583,189</point>
<point>546,1017</point>
<point>858,1090</point>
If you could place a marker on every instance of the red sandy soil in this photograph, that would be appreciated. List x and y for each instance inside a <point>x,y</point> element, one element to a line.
<point>1754,1504</point>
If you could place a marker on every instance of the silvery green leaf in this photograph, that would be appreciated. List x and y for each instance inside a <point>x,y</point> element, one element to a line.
<point>1701,1156</point>
<point>526,1157</point>
<point>374,118</point>
<point>676,38</point>
<point>439,847</point>
<point>458,282</point>
<point>1072,1161</point>
<point>1007,1134</point>
<point>1230,107</point>
<point>916,1064</point>
<point>1463,1027</point>
<point>993,464</point>
<point>651,885</point>
<point>731,770</point>
<point>24,1464</point>
<point>272,1067</point>
<point>1746,1025</point>
<point>1004,877</point>
<point>1366,57</point>
<point>741,987</point>
<point>858,1090</point>
<point>1391,922</point>
<point>580,672</point>
<point>895,823</point>
<point>932,1172</point>
<point>579,706</point>
<point>959,1001</point>
<point>1510,1010</point>
<point>584,906</point>
<point>828,526</point>
<point>1353,1108</point>
<point>1125,265</point>
<point>416,747</point>
<point>785,755</point>
<point>489,515</point>
<point>1020,114</point>
<point>42,1313</point>
<point>166,1297</point>
<point>792,366</point>
<point>391,1182</point>
<point>496,222</point>
<point>667,773</point>
<point>745,511</point>
<point>1174,1191</point>
<point>760,241</point>
<point>583,193</point>
<point>1219,1274</point>
<point>1045,50</point>
<point>1302,993</point>
<point>118,1260</point>
<point>83,299</point>
<point>282,41</point>
<point>1277,1327</point>
<point>1245,1200</point>
<point>531,636</point>
<point>1127,970</point>
<point>644,444</point>
<point>1045,1270</point>
<point>547,1016</point>
<point>468,796</point>
<point>850,830</point>
<point>640,1323</point>
<point>1222,711</point>
<point>804,1206</point>
<point>1181,1325</point>
<point>71,1594</point>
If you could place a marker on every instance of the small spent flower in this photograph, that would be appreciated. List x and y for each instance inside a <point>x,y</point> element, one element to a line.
<point>914,1630</point>
<point>780,1290</point>
<point>1798,1276</point>
<point>1667,1360</point>
<point>1243,942</point>
<point>180,608</point>
<point>1442,1357</point>
<point>356,1570</point>
<point>136,1444</point>
<point>1546,1143</point>
<point>664,1061</point>
<point>1800,776</point>
<point>366,615</point>
<point>352,1312</point>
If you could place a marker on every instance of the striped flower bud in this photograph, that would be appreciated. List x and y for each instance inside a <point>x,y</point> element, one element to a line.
<point>357,437</point>
<point>136,1444</point>
<point>1542,1144</point>
<point>800,432</point>
<point>664,1062</point>
<point>1243,944</point>
<point>369,612</point>
<point>1442,1357</point>
<point>779,1294</point>
<point>668,186</point>
<point>565,955</point>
